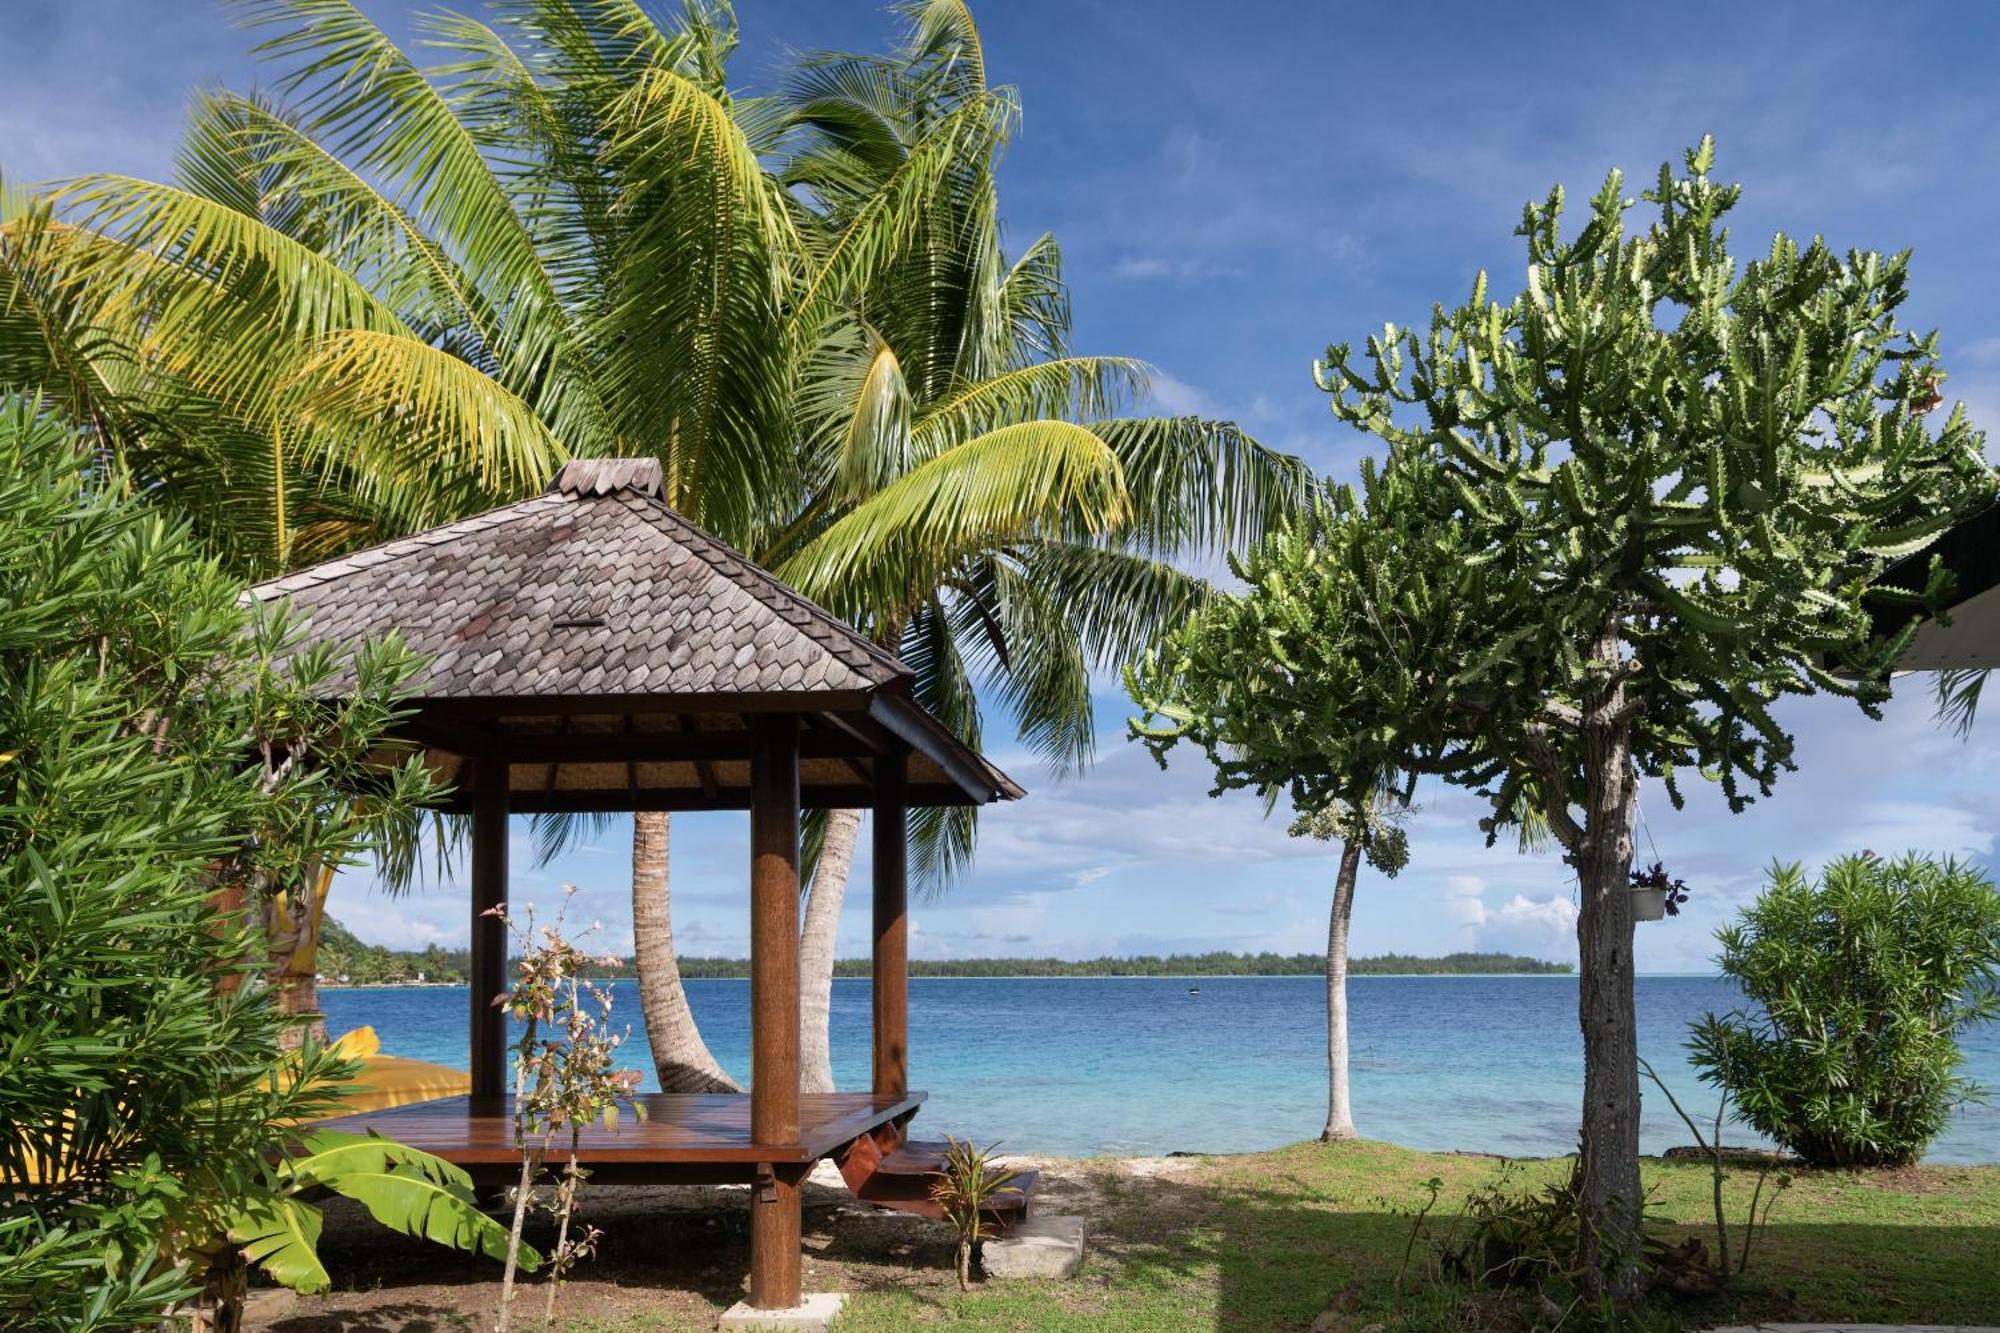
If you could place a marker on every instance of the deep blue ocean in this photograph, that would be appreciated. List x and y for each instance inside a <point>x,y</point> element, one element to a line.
<point>1141,1066</point>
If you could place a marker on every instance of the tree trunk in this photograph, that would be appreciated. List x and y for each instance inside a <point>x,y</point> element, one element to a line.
<point>225,1289</point>
<point>1608,1167</point>
<point>679,1054</point>
<point>1339,1113</point>
<point>291,939</point>
<point>818,940</point>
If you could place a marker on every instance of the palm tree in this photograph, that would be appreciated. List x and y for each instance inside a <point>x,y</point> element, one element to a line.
<point>401,295</point>
<point>951,356</point>
<point>390,296</point>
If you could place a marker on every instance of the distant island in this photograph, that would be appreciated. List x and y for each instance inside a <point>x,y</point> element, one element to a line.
<point>344,959</point>
<point>1218,964</point>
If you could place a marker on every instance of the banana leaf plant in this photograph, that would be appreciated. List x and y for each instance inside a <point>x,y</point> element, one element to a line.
<point>403,1188</point>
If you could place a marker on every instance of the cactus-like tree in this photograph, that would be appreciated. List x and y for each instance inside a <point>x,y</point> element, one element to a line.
<point>1621,516</point>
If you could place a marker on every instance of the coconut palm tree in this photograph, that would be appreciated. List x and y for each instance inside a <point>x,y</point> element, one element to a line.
<point>387,296</point>
<point>952,350</point>
<point>408,294</point>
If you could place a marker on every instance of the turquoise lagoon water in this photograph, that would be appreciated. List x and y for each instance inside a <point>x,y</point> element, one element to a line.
<point>1141,1066</point>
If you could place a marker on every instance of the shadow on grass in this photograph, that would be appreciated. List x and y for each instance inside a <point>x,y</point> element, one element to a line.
<point>1277,1255</point>
<point>1262,1246</point>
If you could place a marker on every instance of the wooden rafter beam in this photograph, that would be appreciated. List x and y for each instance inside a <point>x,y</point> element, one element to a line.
<point>704,771</point>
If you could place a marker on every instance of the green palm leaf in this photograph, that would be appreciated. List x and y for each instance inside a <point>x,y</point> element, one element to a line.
<point>376,110</point>
<point>692,343</point>
<point>882,556</point>
<point>312,195</point>
<point>370,396</point>
<point>895,211</point>
<point>1201,486</point>
<point>1088,386</point>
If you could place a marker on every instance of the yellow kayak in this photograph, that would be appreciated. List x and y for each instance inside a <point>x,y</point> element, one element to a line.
<point>383,1081</point>
<point>392,1080</point>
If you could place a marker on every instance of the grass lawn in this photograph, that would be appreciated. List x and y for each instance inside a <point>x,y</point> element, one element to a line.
<point>1266,1241</point>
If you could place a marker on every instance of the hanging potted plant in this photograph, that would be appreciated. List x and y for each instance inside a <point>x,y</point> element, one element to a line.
<point>1655,894</point>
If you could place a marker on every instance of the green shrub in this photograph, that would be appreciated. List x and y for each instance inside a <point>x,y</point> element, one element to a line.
<point>1863,981</point>
<point>158,774</point>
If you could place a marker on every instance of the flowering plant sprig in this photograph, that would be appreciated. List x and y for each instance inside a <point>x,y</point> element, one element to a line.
<point>566,1077</point>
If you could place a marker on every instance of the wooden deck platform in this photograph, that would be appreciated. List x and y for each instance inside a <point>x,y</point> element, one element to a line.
<point>684,1137</point>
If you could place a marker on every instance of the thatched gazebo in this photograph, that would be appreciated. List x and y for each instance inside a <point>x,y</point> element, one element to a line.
<point>593,651</point>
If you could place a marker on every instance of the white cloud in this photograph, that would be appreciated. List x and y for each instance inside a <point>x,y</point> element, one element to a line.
<point>1541,927</point>
<point>1178,398</point>
<point>1143,268</point>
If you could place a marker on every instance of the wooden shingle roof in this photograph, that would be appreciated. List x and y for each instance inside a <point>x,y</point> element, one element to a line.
<point>611,652</point>
<point>594,588</point>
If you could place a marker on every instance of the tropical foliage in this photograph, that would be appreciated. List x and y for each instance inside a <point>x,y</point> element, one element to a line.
<point>968,1188</point>
<point>404,1189</point>
<point>1621,515</point>
<point>159,775</point>
<point>407,292</point>
<point>1860,982</point>
<point>385,295</point>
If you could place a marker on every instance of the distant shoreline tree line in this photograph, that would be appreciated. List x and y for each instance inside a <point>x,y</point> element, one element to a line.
<point>344,957</point>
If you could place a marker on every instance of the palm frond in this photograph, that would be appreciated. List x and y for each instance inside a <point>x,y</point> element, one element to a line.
<point>895,214</point>
<point>367,397</point>
<point>694,352</point>
<point>941,837</point>
<point>241,151</point>
<point>1203,486</point>
<point>224,298</point>
<point>361,95</point>
<point>1084,386</point>
<point>1034,306</point>
<point>1958,694</point>
<point>1019,628</point>
<point>945,44</point>
<point>52,339</point>
<point>1118,603</point>
<point>880,556</point>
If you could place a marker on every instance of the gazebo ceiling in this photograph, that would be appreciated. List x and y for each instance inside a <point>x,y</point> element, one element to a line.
<point>612,653</point>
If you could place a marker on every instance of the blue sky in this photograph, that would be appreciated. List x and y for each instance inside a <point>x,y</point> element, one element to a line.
<point>1235,186</point>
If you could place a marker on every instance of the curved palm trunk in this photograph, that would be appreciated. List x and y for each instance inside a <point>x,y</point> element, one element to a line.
<point>291,935</point>
<point>1339,1113</point>
<point>818,939</point>
<point>679,1054</point>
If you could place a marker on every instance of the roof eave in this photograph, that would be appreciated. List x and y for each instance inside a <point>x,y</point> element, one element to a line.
<point>978,777</point>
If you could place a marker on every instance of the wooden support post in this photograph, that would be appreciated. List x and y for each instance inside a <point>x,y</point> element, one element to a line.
<point>489,936</point>
<point>892,924</point>
<point>774,1005</point>
<point>775,1279</point>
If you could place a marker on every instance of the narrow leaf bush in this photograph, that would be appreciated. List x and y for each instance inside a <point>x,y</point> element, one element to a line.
<point>1862,980</point>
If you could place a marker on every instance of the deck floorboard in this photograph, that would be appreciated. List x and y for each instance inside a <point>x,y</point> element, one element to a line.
<point>708,1129</point>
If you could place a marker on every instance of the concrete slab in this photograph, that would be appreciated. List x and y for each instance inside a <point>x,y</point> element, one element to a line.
<point>1041,1245</point>
<point>815,1313</point>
